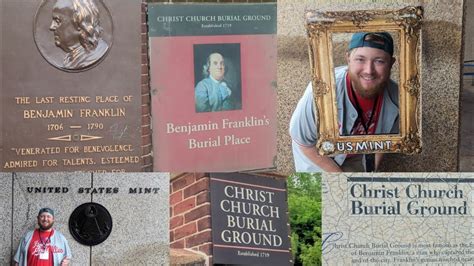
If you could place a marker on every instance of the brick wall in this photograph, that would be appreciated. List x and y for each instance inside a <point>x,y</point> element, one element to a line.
<point>147,159</point>
<point>190,213</point>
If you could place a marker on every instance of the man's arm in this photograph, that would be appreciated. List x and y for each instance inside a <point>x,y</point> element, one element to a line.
<point>326,164</point>
<point>67,253</point>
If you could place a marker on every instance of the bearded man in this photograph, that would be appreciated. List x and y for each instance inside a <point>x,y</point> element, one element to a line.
<point>367,103</point>
<point>44,245</point>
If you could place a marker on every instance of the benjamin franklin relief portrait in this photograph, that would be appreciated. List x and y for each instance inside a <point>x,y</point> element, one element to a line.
<point>77,38</point>
<point>77,31</point>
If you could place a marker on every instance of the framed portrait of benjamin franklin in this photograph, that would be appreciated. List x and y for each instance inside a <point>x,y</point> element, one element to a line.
<point>366,80</point>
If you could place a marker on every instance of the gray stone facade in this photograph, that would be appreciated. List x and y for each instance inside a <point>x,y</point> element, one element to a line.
<point>137,202</point>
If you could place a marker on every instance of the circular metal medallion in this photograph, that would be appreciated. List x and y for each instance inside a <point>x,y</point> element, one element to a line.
<point>90,224</point>
<point>73,35</point>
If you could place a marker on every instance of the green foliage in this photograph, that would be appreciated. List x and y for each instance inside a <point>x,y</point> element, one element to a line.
<point>304,205</point>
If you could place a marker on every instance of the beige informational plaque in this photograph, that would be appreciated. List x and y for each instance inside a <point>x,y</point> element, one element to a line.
<point>398,219</point>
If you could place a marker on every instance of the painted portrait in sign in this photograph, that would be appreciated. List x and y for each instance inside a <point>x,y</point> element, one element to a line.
<point>217,77</point>
<point>76,28</point>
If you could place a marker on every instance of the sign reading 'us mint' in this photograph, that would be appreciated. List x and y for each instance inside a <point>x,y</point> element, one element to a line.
<point>71,86</point>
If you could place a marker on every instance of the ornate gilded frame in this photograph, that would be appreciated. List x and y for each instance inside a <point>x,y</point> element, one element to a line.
<point>320,28</point>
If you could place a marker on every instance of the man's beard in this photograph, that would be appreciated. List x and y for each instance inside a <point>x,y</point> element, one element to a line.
<point>365,92</point>
<point>42,228</point>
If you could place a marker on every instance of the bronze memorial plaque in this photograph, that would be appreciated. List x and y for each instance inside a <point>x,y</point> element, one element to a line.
<point>73,92</point>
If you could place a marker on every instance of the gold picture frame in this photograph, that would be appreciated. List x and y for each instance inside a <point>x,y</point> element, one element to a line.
<point>406,23</point>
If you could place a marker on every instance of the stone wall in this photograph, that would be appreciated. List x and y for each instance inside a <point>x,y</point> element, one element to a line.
<point>441,78</point>
<point>139,217</point>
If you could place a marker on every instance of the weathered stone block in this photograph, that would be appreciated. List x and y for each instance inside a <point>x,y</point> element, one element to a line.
<point>140,219</point>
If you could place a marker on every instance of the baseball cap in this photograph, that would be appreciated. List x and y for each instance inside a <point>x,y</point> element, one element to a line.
<point>46,209</point>
<point>379,40</point>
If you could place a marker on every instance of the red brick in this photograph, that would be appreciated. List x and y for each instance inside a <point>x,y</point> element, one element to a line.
<point>145,119</point>
<point>145,109</point>
<point>206,248</point>
<point>144,79</point>
<point>194,189</point>
<point>198,239</point>
<point>145,90</point>
<point>147,168</point>
<point>183,206</point>
<point>146,130</point>
<point>204,223</point>
<point>146,149</point>
<point>197,213</point>
<point>146,140</point>
<point>144,69</point>
<point>200,175</point>
<point>146,98</point>
<point>176,221</point>
<point>176,197</point>
<point>171,236</point>
<point>147,160</point>
<point>185,230</point>
<point>183,181</point>
<point>177,244</point>
<point>203,197</point>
